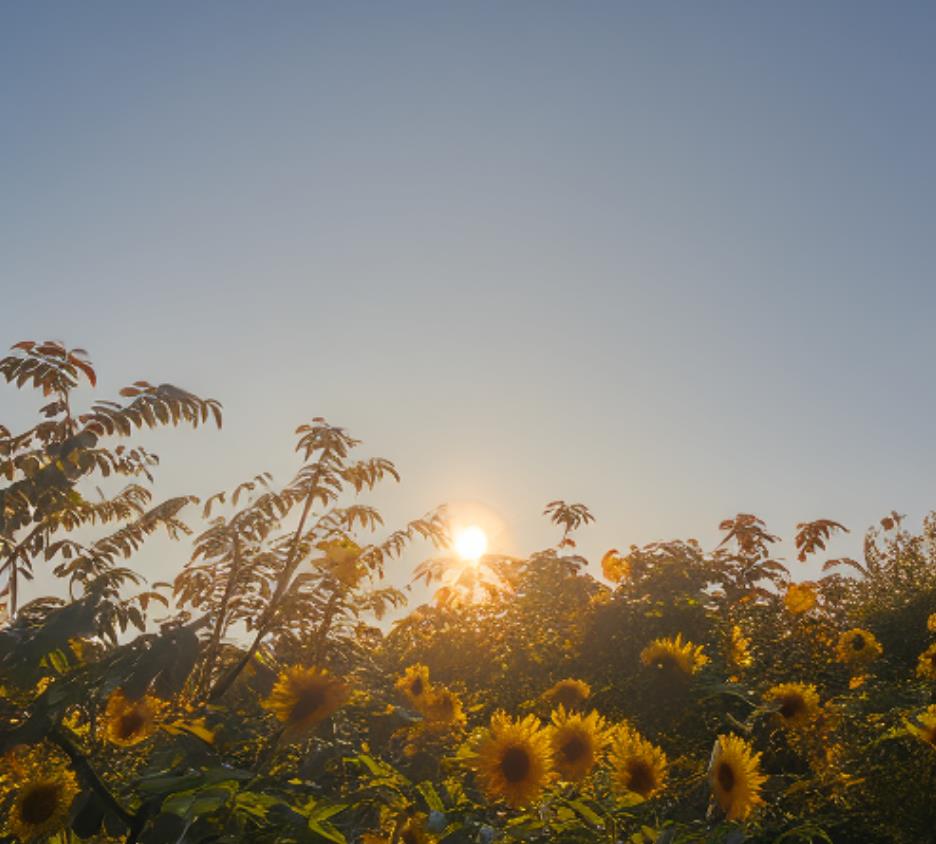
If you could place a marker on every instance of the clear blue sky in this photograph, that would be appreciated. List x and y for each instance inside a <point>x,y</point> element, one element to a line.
<point>673,260</point>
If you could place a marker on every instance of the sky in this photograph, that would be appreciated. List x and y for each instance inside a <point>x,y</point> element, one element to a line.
<point>670,260</point>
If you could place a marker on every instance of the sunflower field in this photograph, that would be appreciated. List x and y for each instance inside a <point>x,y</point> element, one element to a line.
<point>685,695</point>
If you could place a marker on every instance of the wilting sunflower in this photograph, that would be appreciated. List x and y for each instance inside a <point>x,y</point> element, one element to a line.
<point>442,707</point>
<point>800,598</point>
<point>304,697</point>
<point>577,741</point>
<point>735,777</point>
<point>857,647</point>
<point>512,759</point>
<point>926,665</point>
<point>128,722</point>
<point>45,790</point>
<point>672,655</point>
<point>798,704</point>
<point>925,728</point>
<point>415,684</point>
<point>638,766</point>
<point>568,693</point>
<point>739,649</point>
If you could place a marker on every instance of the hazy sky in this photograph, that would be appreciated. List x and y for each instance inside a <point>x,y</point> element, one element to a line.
<point>673,260</point>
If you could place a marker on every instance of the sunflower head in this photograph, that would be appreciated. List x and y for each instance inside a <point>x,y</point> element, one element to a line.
<point>797,704</point>
<point>443,708</point>
<point>304,697</point>
<point>673,656</point>
<point>638,767</point>
<point>858,647</point>
<point>512,759</point>
<point>925,726</point>
<point>735,777</point>
<point>44,790</point>
<point>800,598</point>
<point>129,722</point>
<point>577,741</point>
<point>414,684</point>
<point>926,665</point>
<point>569,693</point>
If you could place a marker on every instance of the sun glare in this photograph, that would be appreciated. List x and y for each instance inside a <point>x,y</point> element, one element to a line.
<point>471,543</point>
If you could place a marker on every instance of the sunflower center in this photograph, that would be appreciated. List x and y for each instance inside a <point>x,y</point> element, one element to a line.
<point>858,643</point>
<point>40,803</point>
<point>791,706</point>
<point>131,723</point>
<point>309,700</point>
<point>574,749</point>
<point>666,662</point>
<point>417,687</point>
<point>725,776</point>
<point>515,764</point>
<point>640,777</point>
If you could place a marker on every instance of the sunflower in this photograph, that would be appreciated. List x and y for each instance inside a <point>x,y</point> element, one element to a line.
<point>304,697</point>
<point>638,767</point>
<point>797,704</point>
<point>931,623</point>
<point>128,722</point>
<point>800,598</point>
<point>568,693</point>
<point>45,787</point>
<point>926,666</point>
<point>857,647</point>
<point>925,728</point>
<point>577,741</point>
<point>415,684</point>
<point>671,655</point>
<point>735,777</point>
<point>739,649</point>
<point>512,759</point>
<point>615,567</point>
<point>442,707</point>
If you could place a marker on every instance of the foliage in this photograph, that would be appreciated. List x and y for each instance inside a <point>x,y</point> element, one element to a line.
<point>690,695</point>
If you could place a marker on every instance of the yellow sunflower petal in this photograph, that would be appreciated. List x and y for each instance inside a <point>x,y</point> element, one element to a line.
<point>129,722</point>
<point>638,766</point>
<point>578,742</point>
<point>304,697</point>
<point>735,777</point>
<point>512,760</point>
<point>798,704</point>
<point>673,656</point>
<point>857,647</point>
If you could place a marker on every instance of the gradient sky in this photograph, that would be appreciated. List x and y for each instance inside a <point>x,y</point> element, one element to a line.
<point>672,260</point>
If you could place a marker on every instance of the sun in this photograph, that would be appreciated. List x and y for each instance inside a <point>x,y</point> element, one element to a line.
<point>471,543</point>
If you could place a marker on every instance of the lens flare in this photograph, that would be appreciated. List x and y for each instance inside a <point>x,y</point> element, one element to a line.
<point>471,543</point>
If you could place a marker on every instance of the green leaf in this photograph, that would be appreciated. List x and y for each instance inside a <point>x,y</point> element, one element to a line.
<point>431,796</point>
